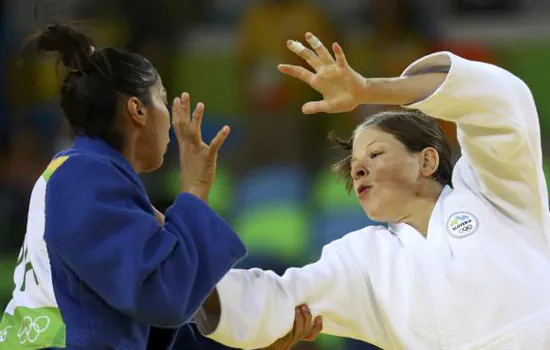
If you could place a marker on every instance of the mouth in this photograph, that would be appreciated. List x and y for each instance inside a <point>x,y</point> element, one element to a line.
<point>362,190</point>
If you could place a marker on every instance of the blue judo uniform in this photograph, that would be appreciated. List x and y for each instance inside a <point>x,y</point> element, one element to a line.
<point>103,273</point>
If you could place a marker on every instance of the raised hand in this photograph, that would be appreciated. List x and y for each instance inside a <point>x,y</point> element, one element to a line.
<point>340,85</point>
<point>197,159</point>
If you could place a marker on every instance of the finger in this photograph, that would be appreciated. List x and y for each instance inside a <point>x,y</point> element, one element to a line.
<point>307,319</point>
<point>299,324</point>
<point>176,115</point>
<point>320,49</point>
<point>218,141</point>
<point>197,121</point>
<point>339,54</point>
<point>315,107</point>
<point>316,330</point>
<point>297,72</point>
<point>309,56</point>
<point>185,108</point>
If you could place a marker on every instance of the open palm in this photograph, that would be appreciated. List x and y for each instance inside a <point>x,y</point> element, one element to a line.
<point>197,158</point>
<point>339,84</point>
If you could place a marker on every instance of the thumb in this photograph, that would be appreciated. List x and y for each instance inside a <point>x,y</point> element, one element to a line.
<point>219,139</point>
<point>315,107</point>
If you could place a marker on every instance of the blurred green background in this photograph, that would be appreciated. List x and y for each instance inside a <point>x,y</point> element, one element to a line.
<point>274,183</point>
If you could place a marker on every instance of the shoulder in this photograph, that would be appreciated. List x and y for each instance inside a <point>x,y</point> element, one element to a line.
<point>365,240</point>
<point>73,169</point>
<point>85,193</point>
<point>372,256</point>
<point>367,233</point>
<point>90,178</point>
<point>72,162</point>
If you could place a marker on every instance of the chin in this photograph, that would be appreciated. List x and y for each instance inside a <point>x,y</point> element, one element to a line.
<point>373,212</point>
<point>154,166</point>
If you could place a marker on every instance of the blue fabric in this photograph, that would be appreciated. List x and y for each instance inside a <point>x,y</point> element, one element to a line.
<point>115,270</point>
<point>189,338</point>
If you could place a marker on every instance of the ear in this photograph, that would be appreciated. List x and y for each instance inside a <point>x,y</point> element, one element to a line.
<point>429,161</point>
<point>136,111</point>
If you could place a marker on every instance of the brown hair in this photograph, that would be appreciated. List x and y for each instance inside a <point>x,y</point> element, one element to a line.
<point>414,129</point>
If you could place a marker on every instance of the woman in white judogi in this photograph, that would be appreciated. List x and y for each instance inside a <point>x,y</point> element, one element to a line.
<point>465,266</point>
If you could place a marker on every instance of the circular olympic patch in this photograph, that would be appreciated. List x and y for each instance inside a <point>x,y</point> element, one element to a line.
<point>462,224</point>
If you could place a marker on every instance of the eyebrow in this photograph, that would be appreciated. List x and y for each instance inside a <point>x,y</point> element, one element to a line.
<point>367,146</point>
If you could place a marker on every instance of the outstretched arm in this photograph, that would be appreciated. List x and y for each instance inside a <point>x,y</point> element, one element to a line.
<point>257,307</point>
<point>496,117</point>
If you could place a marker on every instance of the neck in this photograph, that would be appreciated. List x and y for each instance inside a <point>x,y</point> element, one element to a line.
<point>130,153</point>
<point>421,208</point>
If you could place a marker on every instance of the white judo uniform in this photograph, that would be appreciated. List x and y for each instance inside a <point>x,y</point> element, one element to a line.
<point>481,278</point>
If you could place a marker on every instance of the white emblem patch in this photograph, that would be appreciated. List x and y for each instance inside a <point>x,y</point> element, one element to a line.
<point>462,224</point>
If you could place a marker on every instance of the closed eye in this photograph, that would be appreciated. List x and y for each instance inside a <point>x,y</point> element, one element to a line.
<point>375,154</point>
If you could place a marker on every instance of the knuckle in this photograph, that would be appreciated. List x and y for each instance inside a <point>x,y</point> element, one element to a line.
<point>307,53</point>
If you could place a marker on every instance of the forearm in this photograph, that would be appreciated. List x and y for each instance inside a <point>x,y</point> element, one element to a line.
<point>402,90</point>
<point>255,313</point>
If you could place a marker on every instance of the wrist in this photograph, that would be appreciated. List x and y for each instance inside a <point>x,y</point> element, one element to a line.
<point>212,304</point>
<point>387,91</point>
<point>200,193</point>
<point>379,91</point>
<point>402,90</point>
<point>197,189</point>
<point>365,96</point>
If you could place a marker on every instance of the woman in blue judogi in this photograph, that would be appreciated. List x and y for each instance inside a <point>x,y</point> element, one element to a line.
<point>100,268</point>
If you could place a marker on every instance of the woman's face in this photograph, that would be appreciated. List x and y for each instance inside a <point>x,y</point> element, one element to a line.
<point>385,174</point>
<point>155,138</point>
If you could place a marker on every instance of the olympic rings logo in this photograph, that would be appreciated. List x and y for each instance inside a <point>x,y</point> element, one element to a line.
<point>466,229</point>
<point>4,334</point>
<point>30,329</point>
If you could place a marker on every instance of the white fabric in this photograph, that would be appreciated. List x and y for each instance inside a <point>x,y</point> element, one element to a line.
<point>481,278</point>
<point>34,251</point>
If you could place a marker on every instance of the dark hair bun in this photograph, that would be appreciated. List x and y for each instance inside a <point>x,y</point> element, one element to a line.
<point>91,91</point>
<point>74,48</point>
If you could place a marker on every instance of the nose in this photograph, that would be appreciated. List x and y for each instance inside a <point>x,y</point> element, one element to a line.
<point>359,172</point>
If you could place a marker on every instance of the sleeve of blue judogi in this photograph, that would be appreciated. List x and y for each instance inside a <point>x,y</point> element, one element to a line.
<point>102,226</point>
<point>190,338</point>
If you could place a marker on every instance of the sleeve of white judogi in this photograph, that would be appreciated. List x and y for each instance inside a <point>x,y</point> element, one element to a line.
<point>258,306</point>
<point>498,131</point>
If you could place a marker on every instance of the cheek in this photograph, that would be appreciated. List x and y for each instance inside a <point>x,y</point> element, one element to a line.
<point>162,121</point>
<point>393,173</point>
<point>391,182</point>
<point>163,115</point>
<point>166,123</point>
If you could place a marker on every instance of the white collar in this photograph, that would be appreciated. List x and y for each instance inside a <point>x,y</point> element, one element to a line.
<point>400,227</point>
